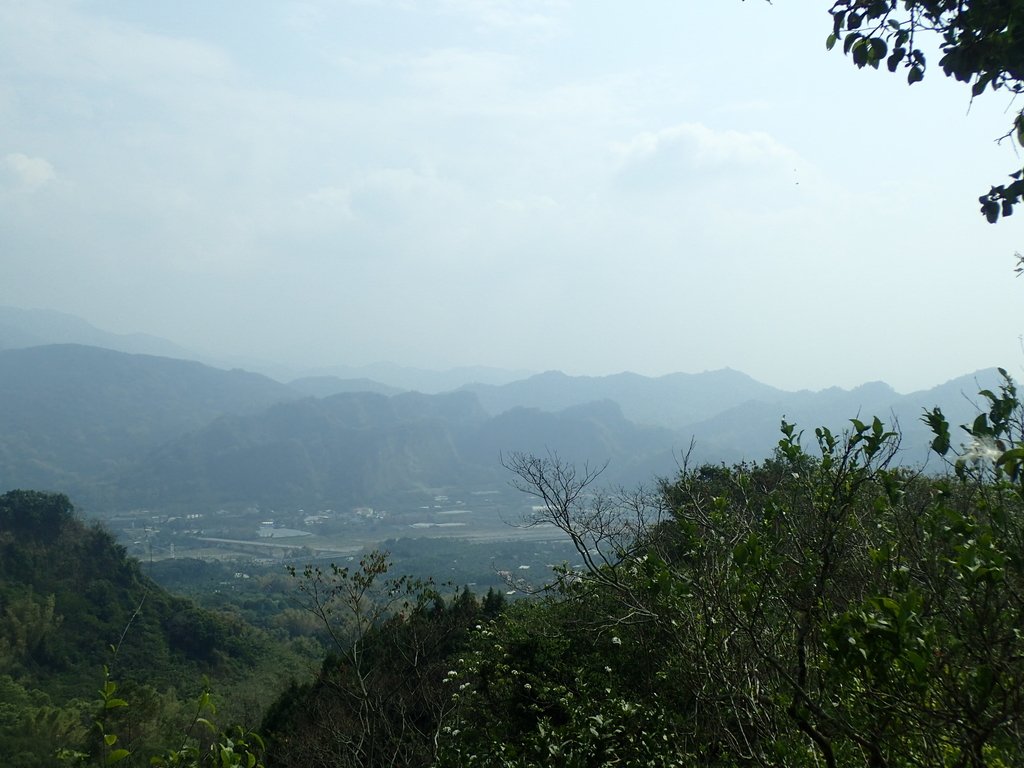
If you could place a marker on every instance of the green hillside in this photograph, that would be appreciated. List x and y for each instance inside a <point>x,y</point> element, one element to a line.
<point>67,596</point>
<point>71,415</point>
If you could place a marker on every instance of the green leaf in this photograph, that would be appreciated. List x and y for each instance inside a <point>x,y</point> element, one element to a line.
<point>895,58</point>
<point>860,51</point>
<point>830,42</point>
<point>1015,455</point>
<point>117,756</point>
<point>916,659</point>
<point>939,427</point>
<point>740,553</point>
<point>915,75</point>
<point>941,444</point>
<point>838,19</point>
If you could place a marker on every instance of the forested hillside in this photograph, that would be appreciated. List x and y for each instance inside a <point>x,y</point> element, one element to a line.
<point>72,604</point>
<point>822,607</point>
<point>72,416</point>
<point>121,431</point>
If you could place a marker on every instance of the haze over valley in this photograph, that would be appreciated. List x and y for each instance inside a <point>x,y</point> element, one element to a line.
<point>142,437</point>
<point>511,383</point>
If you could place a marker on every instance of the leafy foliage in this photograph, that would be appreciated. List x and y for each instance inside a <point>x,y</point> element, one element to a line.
<point>380,698</point>
<point>67,593</point>
<point>981,44</point>
<point>813,609</point>
<point>201,746</point>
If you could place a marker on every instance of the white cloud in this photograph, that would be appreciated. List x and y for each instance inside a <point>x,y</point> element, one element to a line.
<point>712,167</point>
<point>28,172</point>
<point>694,145</point>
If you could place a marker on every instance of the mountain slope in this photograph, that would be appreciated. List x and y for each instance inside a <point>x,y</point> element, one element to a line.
<point>345,448</point>
<point>752,428</point>
<point>70,414</point>
<point>72,605</point>
<point>325,386</point>
<point>355,447</point>
<point>20,328</point>
<point>69,594</point>
<point>666,401</point>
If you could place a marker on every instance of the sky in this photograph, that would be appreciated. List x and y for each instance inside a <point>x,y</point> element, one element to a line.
<point>584,185</point>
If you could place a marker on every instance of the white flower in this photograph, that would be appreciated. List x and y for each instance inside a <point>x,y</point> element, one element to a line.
<point>982,449</point>
<point>616,641</point>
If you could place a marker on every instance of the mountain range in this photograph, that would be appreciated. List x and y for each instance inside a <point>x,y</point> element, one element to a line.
<point>120,430</point>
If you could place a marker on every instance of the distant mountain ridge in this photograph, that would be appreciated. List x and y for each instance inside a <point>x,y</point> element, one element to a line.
<point>70,414</point>
<point>355,447</point>
<point>673,400</point>
<point>423,380</point>
<point>754,424</point>
<point>120,430</point>
<point>325,386</point>
<point>21,328</point>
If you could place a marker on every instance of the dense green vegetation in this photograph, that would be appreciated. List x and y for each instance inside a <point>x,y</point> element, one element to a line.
<point>381,697</point>
<point>67,596</point>
<point>818,609</point>
<point>822,607</point>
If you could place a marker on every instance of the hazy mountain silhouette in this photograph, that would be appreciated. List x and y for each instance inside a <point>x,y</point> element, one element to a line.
<point>355,447</point>
<point>120,429</point>
<point>20,328</point>
<point>673,401</point>
<point>325,386</point>
<point>422,380</point>
<point>752,428</point>
<point>70,414</point>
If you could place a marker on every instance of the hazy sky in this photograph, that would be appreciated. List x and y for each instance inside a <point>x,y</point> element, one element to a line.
<point>594,186</point>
